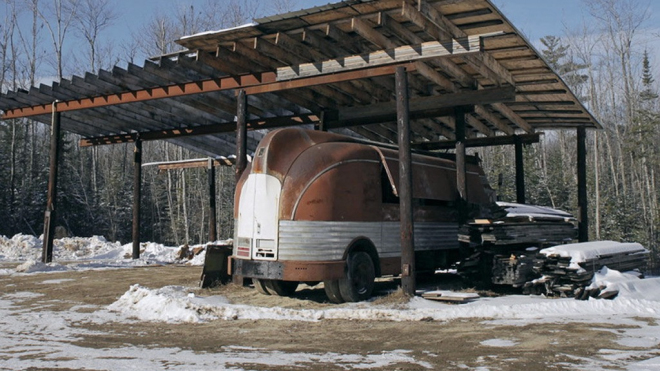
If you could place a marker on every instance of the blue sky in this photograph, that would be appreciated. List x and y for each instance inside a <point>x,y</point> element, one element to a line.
<point>535,18</point>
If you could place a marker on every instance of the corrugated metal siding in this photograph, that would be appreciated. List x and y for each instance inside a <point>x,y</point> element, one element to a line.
<point>309,241</point>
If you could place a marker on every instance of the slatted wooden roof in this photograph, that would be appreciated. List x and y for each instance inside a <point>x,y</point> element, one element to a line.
<point>181,96</point>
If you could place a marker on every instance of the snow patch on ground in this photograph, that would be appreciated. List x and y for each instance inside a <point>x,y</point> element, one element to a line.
<point>502,343</point>
<point>47,340</point>
<point>56,282</point>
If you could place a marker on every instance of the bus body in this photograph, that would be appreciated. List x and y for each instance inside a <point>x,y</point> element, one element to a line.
<point>310,201</point>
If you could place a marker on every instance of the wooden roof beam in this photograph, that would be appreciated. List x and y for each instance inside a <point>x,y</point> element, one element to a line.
<point>271,50</point>
<point>367,32</point>
<point>480,126</point>
<point>439,125</point>
<point>327,79</point>
<point>490,68</point>
<point>438,26</point>
<point>397,54</point>
<point>480,142</point>
<point>423,21</point>
<point>223,105</point>
<point>314,39</point>
<point>295,47</point>
<point>225,61</point>
<point>494,120</point>
<point>342,39</point>
<point>269,102</point>
<point>513,117</point>
<point>444,64</point>
<point>375,133</point>
<point>226,127</point>
<point>433,106</point>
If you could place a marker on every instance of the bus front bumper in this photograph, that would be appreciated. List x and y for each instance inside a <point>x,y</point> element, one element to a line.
<point>300,271</point>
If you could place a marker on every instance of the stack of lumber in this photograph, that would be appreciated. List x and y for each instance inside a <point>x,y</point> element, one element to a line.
<point>517,224</point>
<point>567,268</point>
<point>514,270</point>
<point>512,232</point>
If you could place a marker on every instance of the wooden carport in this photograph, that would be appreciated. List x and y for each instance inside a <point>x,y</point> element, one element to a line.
<point>460,73</point>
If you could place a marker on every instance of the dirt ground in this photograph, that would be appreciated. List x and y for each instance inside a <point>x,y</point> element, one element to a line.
<point>445,345</point>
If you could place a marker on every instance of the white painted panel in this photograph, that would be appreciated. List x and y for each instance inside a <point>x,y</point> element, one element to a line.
<point>257,215</point>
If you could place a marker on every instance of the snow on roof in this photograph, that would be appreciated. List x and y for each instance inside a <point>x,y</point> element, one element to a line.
<point>586,251</point>
<point>252,24</point>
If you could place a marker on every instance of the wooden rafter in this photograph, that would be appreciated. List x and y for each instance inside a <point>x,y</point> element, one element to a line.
<point>480,142</point>
<point>405,53</point>
<point>199,130</point>
<point>426,107</point>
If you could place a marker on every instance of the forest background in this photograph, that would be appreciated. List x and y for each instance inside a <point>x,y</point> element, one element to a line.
<point>603,60</point>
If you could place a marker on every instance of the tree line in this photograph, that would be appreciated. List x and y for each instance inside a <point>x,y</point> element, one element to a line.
<point>59,38</point>
<point>604,61</point>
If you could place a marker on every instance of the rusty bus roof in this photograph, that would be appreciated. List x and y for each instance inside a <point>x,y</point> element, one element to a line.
<point>333,62</point>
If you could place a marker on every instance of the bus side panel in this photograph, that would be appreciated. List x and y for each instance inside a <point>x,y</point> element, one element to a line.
<point>323,241</point>
<point>346,190</point>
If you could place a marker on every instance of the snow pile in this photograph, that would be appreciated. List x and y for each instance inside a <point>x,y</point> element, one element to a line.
<point>24,248</point>
<point>93,253</point>
<point>627,284</point>
<point>176,304</point>
<point>20,247</point>
<point>32,266</point>
<point>167,304</point>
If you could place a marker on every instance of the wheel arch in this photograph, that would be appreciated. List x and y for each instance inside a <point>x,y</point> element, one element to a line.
<point>364,244</point>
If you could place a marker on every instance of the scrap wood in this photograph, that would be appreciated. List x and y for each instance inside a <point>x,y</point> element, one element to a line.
<point>449,296</point>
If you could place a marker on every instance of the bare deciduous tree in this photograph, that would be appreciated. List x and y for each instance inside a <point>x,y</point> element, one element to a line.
<point>94,16</point>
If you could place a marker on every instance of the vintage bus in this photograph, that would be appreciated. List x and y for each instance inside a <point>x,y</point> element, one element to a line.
<point>316,206</point>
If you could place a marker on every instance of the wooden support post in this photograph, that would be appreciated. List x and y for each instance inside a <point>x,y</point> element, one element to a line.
<point>322,125</point>
<point>137,196</point>
<point>405,184</point>
<point>520,170</point>
<point>583,215</point>
<point>213,234</point>
<point>461,179</point>
<point>51,204</point>
<point>241,150</point>
<point>241,133</point>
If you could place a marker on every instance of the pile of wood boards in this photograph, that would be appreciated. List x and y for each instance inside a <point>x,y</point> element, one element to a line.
<point>567,269</point>
<point>514,270</point>
<point>517,224</point>
<point>450,296</point>
<point>500,243</point>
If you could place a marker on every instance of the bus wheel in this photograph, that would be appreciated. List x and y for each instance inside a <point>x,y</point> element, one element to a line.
<point>260,285</point>
<point>360,276</point>
<point>281,288</point>
<point>332,291</point>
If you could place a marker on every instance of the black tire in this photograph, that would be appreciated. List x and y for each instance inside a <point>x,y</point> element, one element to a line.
<point>332,291</point>
<point>281,288</point>
<point>260,285</point>
<point>360,275</point>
